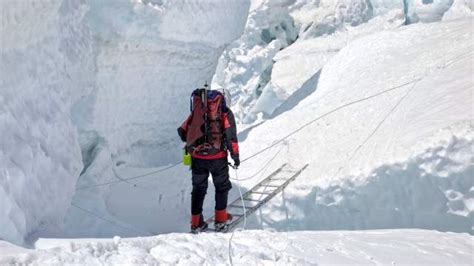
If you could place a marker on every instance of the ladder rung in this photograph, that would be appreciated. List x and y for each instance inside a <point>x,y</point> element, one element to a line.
<point>246,207</point>
<point>277,179</point>
<point>247,199</point>
<point>236,215</point>
<point>263,193</point>
<point>240,206</point>
<point>288,171</point>
<point>270,186</point>
<point>235,206</point>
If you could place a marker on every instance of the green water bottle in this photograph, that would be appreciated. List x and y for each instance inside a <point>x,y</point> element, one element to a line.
<point>186,158</point>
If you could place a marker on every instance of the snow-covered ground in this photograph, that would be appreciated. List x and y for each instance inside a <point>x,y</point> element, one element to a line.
<point>380,247</point>
<point>381,111</point>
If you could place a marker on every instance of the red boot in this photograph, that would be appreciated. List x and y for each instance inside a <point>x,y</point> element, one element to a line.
<point>222,220</point>
<point>198,224</point>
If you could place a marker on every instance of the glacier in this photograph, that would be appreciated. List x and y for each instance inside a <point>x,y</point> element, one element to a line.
<point>46,65</point>
<point>88,98</point>
<point>327,77</point>
<point>150,55</point>
<point>80,82</point>
<point>319,30</point>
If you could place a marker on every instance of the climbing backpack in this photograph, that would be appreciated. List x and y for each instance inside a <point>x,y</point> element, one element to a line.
<point>205,128</point>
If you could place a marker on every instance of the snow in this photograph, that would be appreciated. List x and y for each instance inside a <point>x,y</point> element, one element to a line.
<point>89,92</point>
<point>150,55</point>
<point>399,160</point>
<point>245,67</point>
<point>381,111</point>
<point>427,10</point>
<point>258,247</point>
<point>145,70</point>
<point>459,9</point>
<point>276,29</point>
<point>46,64</point>
<point>384,162</point>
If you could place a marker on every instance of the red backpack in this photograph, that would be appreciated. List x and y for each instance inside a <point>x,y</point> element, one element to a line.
<point>205,128</point>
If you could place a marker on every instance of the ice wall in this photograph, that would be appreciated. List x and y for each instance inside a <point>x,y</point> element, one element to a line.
<point>152,54</point>
<point>46,64</point>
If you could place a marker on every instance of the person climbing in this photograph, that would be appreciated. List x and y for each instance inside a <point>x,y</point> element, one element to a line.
<point>210,133</point>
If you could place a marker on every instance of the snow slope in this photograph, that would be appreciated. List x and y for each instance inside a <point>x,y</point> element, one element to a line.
<point>46,65</point>
<point>402,158</point>
<point>386,247</point>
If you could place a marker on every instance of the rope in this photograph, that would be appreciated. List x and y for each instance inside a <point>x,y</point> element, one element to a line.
<point>271,145</point>
<point>261,169</point>
<point>93,214</point>
<point>326,114</point>
<point>130,178</point>
<point>373,131</point>
<point>230,252</point>
<point>245,217</point>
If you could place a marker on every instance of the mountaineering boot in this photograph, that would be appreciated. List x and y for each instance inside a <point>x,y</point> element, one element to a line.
<point>198,224</point>
<point>222,220</point>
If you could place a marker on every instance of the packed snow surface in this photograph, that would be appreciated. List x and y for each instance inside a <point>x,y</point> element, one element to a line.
<point>383,247</point>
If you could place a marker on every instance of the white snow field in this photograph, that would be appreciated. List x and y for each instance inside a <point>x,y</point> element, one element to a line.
<point>378,247</point>
<point>91,94</point>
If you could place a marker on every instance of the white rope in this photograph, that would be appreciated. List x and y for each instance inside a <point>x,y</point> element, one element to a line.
<point>93,214</point>
<point>245,216</point>
<point>274,143</point>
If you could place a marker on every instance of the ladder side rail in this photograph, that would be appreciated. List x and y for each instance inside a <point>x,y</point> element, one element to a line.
<point>274,173</point>
<point>266,199</point>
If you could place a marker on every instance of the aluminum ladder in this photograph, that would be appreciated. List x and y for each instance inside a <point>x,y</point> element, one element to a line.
<point>260,194</point>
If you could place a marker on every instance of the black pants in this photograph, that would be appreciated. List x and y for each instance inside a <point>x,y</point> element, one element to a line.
<point>220,176</point>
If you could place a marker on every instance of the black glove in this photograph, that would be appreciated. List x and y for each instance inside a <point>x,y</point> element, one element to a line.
<point>236,160</point>
<point>182,134</point>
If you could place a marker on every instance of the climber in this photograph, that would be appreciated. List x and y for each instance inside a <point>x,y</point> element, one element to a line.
<point>210,133</point>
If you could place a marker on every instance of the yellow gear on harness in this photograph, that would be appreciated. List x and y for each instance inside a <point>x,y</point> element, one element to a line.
<point>186,158</point>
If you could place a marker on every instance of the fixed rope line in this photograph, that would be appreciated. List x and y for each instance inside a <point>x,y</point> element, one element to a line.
<point>230,253</point>
<point>263,167</point>
<point>326,114</point>
<point>374,131</point>
<point>93,214</point>
<point>130,178</point>
<point>270,146</point>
